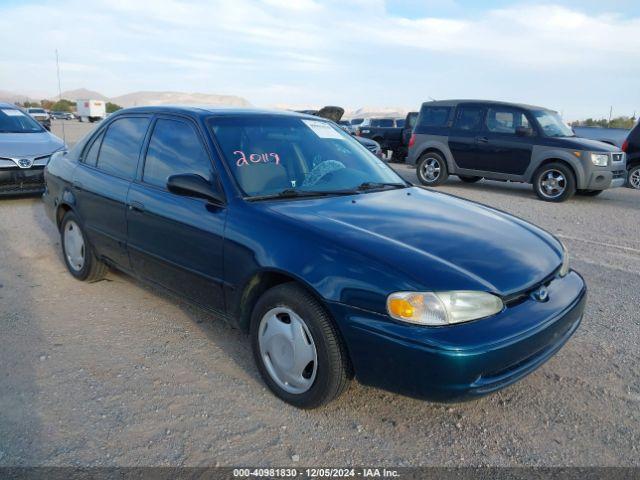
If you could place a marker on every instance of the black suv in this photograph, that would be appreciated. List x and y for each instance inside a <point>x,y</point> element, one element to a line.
<point>477,139</point>
<point>632,146</point>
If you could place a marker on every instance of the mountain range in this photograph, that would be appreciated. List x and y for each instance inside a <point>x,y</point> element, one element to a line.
<point>144,98</point>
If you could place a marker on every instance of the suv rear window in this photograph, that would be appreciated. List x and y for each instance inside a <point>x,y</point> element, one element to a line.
<point>382,122</point>
<point>434,116</point>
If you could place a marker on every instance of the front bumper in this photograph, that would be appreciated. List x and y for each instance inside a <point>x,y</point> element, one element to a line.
<point>603,179</point>
<point>18,181</point>
<point>463,361</point>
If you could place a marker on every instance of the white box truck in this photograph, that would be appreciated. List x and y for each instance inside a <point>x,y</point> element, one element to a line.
<point>91,110</point>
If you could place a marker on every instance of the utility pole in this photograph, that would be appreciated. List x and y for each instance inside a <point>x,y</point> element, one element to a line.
<point>64,137</point>
<point>610,113</point>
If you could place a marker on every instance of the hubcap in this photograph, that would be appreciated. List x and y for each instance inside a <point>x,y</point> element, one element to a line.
<point>287,350</point>
<point>634,178</point>
<point>552,183</point>
<point>74,245</point>
<point>430,169</point>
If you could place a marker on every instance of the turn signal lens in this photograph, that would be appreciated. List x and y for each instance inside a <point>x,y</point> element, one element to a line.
<point>400,307</point>
<point>564,268</point>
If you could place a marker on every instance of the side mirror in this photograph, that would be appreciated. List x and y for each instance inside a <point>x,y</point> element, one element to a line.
<point>192,185</point>
<point>524,131</point>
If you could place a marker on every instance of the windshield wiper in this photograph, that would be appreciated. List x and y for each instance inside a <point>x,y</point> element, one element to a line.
<point>375,185</point>
<point>296,193</point>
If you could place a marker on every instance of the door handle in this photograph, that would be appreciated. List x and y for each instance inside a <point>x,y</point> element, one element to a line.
<point>136,206</point>
<point>482,139</point>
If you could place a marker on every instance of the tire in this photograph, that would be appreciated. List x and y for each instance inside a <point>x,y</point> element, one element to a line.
<point>633,179</point>
<point>81,261</point>
<point>562,182</point>
<point>468,179</point>
<point>305,327</point>
<point>438,172</point>
<point>589,193</point>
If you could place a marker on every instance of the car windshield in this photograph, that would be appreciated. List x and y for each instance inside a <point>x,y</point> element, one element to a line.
<point>36,110</point>
<point>275,155</point>
<point>552,124</point>
<point>13,120</point>
<point>357,121</point>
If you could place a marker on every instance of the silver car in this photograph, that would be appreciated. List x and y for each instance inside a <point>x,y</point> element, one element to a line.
<point>25,149</point>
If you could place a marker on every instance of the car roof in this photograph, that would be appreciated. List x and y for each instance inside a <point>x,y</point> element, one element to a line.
<point>453,103</point>
<point>208,110</point>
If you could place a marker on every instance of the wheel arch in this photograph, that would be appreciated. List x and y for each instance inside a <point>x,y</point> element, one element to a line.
<point>577,172</point>
<point>442,150</point>
<point>259,282</point>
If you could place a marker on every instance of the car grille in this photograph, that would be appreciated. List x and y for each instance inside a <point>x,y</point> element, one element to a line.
<point>616,157</point>
<point>619,174</point>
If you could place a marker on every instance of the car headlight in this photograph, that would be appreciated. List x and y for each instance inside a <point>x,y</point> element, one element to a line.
<point>564,268</point>
<point>600,159</point>
<point>442,308</point>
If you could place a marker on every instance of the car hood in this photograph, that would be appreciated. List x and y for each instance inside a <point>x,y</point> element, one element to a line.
<point>440,241</point>
<point>28,144</point>
<point>580,143</point>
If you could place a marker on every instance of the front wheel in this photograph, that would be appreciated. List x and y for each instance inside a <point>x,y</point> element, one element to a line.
<point>431,169</point>
<point>554,182</point>
<point>297,348</point>
<point>633,180</point>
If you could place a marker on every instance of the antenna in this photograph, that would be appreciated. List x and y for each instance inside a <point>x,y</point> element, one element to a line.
<point>64,137</point>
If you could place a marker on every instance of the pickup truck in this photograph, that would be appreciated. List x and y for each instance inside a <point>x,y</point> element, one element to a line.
<point>391,134</point>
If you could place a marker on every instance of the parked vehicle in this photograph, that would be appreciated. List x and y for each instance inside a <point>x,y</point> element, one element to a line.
<point>632,148</point>
<point>25,148</point>
<point>335,114</point>
<point>62,115</point>
<point>391,134</point>
<point>612,136</point>
<point>477,139</point>
<point>41,115</point>
<point>305,241</point>
<point>91,110</point>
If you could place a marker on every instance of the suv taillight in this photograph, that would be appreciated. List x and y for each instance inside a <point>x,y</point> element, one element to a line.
<point>412,140</point>
<point>625,145</point>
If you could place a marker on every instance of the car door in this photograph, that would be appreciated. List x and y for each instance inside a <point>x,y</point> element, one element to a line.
<point>503,148</point>
<point>176,241</point>
<point>464,133</point>
<point>101,183</point>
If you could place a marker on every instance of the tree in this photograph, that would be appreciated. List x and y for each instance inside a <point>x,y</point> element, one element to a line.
<point>112,107</point>
<point>63,105</point>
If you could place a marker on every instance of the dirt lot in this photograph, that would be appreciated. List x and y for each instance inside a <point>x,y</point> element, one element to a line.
<point>117,373</point>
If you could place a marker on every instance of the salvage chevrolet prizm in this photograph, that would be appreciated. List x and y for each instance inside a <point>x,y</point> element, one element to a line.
<point>336,267</point>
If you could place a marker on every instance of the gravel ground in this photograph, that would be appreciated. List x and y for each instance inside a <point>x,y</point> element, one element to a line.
<point>118,373</point>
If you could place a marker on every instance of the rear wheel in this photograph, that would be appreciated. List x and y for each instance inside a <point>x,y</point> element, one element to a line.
<point>468,179</point>
<point>554,182</point>
<point>297,348</point>
<point>633,180</point>
<point>78,254</point>
<point>431,169</point>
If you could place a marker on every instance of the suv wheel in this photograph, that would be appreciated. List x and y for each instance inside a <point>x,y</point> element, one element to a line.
<point>297,348</point>
<point>554,182</point>
<point>78,254</point>
<point>633,180</point>
<point>431,169</point>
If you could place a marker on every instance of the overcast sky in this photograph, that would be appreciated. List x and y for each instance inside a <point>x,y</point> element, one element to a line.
<point>577,56</point>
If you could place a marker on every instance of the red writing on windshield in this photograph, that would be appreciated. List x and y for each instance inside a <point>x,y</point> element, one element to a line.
<point>242,158</point>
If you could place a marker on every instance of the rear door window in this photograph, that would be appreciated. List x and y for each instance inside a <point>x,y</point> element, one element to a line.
<point>121,146</point>
<point>434,116</point>
<point>469,118</point>
<point>91,157</point>
<point>174,149</point>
